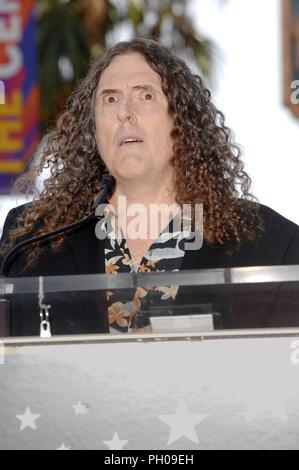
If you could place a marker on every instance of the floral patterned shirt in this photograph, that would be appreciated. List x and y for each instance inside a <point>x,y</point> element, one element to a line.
<point>127,312</point>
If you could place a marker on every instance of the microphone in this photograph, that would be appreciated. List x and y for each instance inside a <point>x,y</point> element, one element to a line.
<point>108,184</point>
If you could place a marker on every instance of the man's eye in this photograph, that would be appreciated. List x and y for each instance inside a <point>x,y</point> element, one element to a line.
<point>110,99</point>
<point>148,96</point>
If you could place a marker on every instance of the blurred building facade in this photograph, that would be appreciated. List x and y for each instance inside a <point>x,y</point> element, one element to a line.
<point>241,50</point>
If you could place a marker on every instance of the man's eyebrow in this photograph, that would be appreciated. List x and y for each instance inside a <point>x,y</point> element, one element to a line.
<point>146,86</point>
<point>108,91</point>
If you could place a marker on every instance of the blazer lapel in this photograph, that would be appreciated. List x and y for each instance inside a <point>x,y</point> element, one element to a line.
<point>87,250</point>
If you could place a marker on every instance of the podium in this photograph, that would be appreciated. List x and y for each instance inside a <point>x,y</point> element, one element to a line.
<point>230,387</point>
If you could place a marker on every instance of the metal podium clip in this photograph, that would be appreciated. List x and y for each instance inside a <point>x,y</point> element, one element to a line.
<point>45,326</point>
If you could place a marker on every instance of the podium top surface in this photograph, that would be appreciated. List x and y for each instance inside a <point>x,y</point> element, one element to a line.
<point>196,277</point>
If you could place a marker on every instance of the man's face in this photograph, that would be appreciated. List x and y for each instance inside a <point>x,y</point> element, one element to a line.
<point>130,104</point>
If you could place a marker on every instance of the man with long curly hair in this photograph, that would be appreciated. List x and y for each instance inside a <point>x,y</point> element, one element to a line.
<point>142,116</point>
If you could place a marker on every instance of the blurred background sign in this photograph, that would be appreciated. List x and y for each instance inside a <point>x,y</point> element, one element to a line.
<point>290,10</point>
<point>18,75</point>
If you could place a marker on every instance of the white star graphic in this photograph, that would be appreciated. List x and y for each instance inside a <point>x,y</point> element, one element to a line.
<point>115,443</point>
<point>80,408</point>
<point>259,404</point>
<point>182,423</point>
<point>63,447</point>
<point>27,420</point>
<point>265,396</point>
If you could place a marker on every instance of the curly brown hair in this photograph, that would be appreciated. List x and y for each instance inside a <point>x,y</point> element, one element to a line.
<point>207,163</point>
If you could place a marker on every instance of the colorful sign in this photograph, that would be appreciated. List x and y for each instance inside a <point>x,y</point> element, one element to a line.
<point>290,15</point>
<point>18,88</point>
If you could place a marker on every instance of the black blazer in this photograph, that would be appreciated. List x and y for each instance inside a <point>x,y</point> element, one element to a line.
<point>83,253</point>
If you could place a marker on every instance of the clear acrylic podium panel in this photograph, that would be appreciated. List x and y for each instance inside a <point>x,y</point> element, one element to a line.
<point>163,302</point>
<point>234,385</point>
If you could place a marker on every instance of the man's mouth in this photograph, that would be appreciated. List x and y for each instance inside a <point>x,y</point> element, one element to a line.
<point>130,141</point>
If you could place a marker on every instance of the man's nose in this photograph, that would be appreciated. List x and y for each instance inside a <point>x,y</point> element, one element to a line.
<point>126,110</point>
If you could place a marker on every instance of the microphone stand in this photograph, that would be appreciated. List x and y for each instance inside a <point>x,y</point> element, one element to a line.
<point>108,184</point>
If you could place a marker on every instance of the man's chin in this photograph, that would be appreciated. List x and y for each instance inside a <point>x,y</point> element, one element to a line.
<point>131,175</point>
<point>130,170</point>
